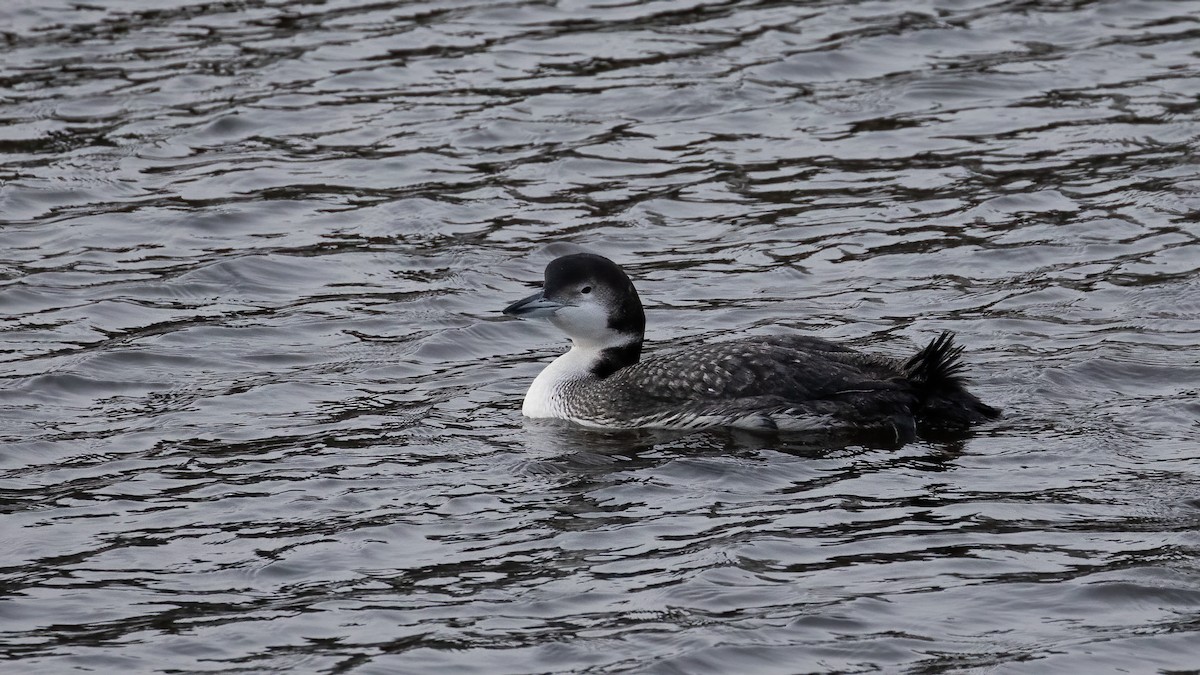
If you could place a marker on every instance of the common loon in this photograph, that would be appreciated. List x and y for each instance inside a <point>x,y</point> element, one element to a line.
<point>780,382</point>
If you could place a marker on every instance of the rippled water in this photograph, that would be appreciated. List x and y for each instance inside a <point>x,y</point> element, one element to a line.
<point>259,411</point>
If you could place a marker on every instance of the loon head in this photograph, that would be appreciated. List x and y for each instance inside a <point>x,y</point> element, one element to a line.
<point>592,300</point>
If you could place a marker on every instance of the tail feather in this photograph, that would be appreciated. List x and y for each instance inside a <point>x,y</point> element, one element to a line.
<point>937,373</point>
<point>938,365</point>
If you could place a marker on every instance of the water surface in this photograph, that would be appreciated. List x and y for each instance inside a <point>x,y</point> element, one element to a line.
<point>259,411</point>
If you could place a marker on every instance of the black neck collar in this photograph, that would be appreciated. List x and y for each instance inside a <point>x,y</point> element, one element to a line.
<point>613,359</point>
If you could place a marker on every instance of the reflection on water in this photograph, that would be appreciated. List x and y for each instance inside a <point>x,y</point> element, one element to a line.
<point>260,412</point>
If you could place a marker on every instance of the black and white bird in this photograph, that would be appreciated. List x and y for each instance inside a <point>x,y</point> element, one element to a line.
<point>780,382</point>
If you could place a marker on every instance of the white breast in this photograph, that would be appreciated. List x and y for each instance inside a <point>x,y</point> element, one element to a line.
<point>547,395</point>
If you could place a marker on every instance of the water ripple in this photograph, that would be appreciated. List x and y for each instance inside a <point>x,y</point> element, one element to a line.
<point>260,412</point>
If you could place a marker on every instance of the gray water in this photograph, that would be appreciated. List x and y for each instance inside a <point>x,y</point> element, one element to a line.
<point>259,411</point>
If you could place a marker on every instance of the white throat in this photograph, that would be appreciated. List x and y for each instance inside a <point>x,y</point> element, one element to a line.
<point>547,396</point>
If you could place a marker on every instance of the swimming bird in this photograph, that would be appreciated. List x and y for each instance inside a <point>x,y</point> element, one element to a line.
<point>773,383</point>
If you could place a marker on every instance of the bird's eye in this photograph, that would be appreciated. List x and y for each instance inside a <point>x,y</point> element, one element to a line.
<point>586,289</point>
